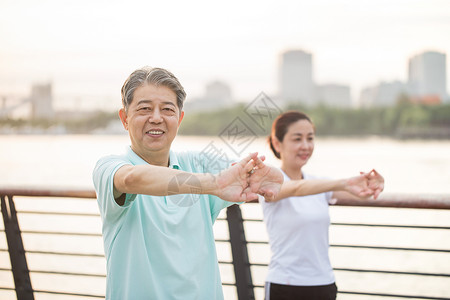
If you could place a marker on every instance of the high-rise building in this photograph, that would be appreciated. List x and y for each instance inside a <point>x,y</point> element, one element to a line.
<point>427,75</point>
<point>383,94</point>
<point>335,95</point>
<point>41,101</point>
<point>296,77</point>
<point>217,95</point>
<point>218,92</point>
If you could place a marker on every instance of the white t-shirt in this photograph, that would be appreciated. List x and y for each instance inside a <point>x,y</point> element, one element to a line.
<point>298,235</point>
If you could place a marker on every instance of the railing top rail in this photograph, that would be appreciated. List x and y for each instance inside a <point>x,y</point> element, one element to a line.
<point>429,201</point>
<point>48,192</point>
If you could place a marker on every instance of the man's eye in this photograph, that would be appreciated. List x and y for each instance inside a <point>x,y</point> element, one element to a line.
<point>144,108</point>
<point>169,109</point>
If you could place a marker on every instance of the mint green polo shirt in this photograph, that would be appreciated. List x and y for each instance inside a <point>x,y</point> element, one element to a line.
<point>159,247</point>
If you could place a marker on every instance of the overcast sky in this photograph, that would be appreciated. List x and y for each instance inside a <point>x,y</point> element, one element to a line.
<point>88,48</point>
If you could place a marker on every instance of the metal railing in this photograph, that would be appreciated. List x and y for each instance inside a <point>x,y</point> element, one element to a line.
<point>245,268</point>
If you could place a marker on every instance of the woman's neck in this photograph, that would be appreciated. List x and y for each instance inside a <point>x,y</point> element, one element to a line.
<point>292,173</point>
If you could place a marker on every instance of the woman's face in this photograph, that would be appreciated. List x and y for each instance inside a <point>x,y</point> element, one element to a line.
<point>298,144</point>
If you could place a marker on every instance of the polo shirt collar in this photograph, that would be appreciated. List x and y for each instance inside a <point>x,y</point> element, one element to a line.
<point>137,160</point>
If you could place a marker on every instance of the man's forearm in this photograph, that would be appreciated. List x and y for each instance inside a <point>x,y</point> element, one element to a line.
<point>162,181</point>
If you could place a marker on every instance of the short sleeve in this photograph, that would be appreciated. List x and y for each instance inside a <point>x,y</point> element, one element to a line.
<point>329,197</point>
<point>103,178</point>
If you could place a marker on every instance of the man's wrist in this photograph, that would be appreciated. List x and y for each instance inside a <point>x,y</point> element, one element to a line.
<point>209,184</point>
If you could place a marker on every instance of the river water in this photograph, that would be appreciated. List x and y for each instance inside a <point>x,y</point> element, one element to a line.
<point>68,160</point>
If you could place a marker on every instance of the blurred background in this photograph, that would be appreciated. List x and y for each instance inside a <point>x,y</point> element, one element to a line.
<point>371,74</point>
<point>62,64</point>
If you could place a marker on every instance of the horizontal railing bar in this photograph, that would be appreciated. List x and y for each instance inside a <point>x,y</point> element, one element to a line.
<point>390,248</point>
<point>428,201</point>
<point>367,247</point>
<point>225,262</point>
<point>5,269</point>
<point>222,241</point>
<point>67,273</point>
<point>251,242</point>
<point>371,225</point>
<point>7,288</point>
<point>373,271</point>
<point>253,220</point>
<point>49,192</point>
<point>64,253</point>
<point>392,272</point>
<point>248,220</point>
<point>431,201</point>
<point>61,233</point>
<point>392,295</point>
<point>392,226</point>
<point>68,294</point>
<point>56,213</point>
<point>399,200</point>
<point>258,242</point>
<point>259,265</point>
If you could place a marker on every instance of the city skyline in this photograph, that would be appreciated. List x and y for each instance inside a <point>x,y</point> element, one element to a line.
<point>89,52</point>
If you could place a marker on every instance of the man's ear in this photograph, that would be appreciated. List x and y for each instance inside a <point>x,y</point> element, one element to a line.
<point>181,118</point>
<point>123,117</point>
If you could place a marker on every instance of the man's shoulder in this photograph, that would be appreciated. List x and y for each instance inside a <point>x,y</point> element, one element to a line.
<point>113,158</point>
<point>110,162</point>
<point>187,156</point>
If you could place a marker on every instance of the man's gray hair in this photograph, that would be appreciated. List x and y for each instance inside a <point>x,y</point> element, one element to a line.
<point>155,76</point>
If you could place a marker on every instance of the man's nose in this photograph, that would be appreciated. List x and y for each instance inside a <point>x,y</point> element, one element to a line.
<point>155,116</point>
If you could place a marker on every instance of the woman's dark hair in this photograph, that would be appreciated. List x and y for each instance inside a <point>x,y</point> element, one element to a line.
<point>281,124</point>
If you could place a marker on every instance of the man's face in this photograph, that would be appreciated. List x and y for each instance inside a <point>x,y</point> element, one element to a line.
<point>152,120</point>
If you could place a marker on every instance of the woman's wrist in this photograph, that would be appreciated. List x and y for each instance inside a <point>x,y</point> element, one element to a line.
<point>343,185</point>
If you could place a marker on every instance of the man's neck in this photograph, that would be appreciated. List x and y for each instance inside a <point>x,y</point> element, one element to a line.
<point>155,158</point>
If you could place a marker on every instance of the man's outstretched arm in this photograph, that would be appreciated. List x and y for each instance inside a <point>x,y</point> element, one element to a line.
<point>230,184</point>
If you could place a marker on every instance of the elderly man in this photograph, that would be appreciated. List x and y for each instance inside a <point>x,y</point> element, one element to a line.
<point>158,239</point>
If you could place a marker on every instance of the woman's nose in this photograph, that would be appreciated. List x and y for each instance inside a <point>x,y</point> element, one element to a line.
<point>304,144</point>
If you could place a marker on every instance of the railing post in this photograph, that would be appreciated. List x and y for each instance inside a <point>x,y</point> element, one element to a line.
<point>19,265</point>
<point>241,263</point>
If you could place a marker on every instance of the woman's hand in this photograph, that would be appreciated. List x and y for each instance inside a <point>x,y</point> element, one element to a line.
<point>366,185</point>
<point>375,182</point>
<point>265,180</point>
